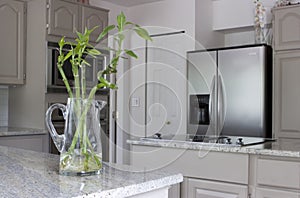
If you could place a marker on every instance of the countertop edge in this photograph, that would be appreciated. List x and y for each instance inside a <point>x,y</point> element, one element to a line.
<point>216,148</point>
<point>140,188</point>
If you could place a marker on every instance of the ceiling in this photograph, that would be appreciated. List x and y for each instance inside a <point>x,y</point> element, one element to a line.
<point>129,3</point>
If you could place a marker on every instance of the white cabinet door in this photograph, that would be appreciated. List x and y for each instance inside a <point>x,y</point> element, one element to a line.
<point>63,19</point>
<point>287,28</point>
<point>287,94</point>
<point>197,188</point>
<point>12,31</point>
<point>271,193</point>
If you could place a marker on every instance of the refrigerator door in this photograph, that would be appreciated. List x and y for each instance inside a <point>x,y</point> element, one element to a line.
<point>241,91</point>
<point>202,83</point>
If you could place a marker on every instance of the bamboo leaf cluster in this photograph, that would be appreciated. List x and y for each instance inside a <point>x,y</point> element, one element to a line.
<point>82,48</point>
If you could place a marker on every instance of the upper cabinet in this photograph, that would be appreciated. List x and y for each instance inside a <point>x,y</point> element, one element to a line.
<point>287,27</point>
<point>230,14</point>
<point>65,18</point>
<point>92,17</point>
<point>12,39</point>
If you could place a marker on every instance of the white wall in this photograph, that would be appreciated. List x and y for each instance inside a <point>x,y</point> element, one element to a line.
<point>114,9</point>
<point>175,14</point>
<point>204,22</point>
<point>27,102</point>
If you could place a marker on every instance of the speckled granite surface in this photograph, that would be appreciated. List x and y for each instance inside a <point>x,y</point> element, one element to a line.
<point>14,131</point>
<point>278,148</point>
<point>32,174</point>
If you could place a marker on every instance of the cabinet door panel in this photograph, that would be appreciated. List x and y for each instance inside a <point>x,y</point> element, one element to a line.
<point>208,189</point>
<point>287,94</point>
<point>12,17</point>
<point>92,17</point>
<point>287,28</point>
<point>270,193</point>
<point>63,19</point>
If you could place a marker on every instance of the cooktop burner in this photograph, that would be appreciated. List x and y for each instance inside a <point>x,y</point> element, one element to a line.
<point>207,139</point>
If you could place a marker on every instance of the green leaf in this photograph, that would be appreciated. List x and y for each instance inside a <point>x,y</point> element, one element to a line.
<point>62,42</point>
<point>131,53</point>
<point>94,52</point>
<point>142,33</point>
<point>113,86</point>
<point>114,61</point>
<point>129,23</point>
<point>105,32</point>
<point>121,19</point>
<point>68,55</point>
<point>79,36</point>
<point>91,30</point>
<point>86,63</point>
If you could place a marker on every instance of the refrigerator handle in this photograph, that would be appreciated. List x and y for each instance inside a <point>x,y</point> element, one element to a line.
<point>221,104</point>
<point>212,96</point>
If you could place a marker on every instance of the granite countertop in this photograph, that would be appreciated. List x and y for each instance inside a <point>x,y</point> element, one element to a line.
<point>278,148</point>
<point>16,131</point>
<point>32,174</point>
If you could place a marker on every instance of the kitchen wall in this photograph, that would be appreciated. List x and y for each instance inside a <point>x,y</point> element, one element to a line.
<point>203,27</point>
<point>31,96</point>
<point>3,106</point>
<point>173,15</point>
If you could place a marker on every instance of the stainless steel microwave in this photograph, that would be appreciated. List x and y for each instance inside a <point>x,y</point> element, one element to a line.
<point>54,79</point>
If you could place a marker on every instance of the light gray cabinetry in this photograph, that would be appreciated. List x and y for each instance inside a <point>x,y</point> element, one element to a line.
<point>286,69</point>
<point>210,170</point>
<point>287,27</point>
<point>287,94</point>
<point>272,193</point>
<point>276,177</point>
<point>209,189</point>
<point>38,143</point>
<point>92,17</point>
<point>12,39</point>
<point>63,18</point>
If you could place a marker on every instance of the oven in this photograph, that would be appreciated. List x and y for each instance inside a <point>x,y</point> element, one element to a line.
<point>54,78</point>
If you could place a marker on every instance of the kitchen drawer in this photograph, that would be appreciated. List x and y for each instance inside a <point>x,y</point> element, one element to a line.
<point>273,193</point>
<point>221,166</point>
<point>278,173</point>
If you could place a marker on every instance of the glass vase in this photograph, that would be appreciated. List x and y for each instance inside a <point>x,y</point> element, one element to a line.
<point>80,145</point>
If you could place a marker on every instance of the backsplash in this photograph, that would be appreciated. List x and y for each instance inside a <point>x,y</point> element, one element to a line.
<point>3,106</point>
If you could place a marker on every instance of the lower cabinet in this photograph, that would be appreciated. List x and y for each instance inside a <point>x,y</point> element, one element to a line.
<point>271,193</point>
<point>38,143</point>
<point>197,188</point>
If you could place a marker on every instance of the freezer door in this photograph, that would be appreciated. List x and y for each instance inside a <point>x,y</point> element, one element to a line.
<point>241,91</point>
<point>202,83</point>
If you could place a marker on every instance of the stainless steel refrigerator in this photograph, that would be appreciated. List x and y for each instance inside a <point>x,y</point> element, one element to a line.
<point>230,91</point>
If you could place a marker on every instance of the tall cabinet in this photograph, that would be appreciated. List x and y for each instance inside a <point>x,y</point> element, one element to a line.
<point>286,26</point>
<point>12,39</point>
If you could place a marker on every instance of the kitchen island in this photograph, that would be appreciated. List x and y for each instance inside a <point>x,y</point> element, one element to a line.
<point>269,169</point>
<point>26,173</point>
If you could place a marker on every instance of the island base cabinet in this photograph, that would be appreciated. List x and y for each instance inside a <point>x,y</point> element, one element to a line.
<point>29,142</point>
<point>197,188</point>
<point>271,193</point>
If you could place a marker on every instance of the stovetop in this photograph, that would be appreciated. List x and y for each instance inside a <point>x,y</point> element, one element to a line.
<point>209,139</point>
